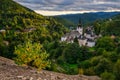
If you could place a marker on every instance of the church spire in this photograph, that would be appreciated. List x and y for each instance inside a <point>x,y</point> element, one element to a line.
<point>79,27</point>
<point>80,23</point>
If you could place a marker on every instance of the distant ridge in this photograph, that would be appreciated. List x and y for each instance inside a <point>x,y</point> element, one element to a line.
<point>88,18</point>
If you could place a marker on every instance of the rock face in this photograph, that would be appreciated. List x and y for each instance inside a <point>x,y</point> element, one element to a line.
<point>10,71</point>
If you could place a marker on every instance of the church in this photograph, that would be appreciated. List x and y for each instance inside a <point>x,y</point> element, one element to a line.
<point>85,36</point>
<point>69,37</point>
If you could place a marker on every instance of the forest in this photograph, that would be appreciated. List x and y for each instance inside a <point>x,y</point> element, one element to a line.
<point>34,40</point>
<point>86,18</point>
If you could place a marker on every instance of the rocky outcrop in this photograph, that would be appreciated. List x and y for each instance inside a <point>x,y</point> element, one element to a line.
<point>10,71</point>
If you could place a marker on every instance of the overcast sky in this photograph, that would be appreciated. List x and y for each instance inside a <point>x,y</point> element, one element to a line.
<point>57,7</point>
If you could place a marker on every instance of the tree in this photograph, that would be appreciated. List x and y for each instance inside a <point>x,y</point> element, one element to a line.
<point>97,27</point>
<point>31,54</point>
<point>113,56</point>
<point>107,76</point>
<point>86,54</point>
<point>4,48</point>
<point>71,53</point>
<point>117,70</point>
<point>76,40</point>
<point>85,64</point>
<point>106,43</point>
<point>103,65</point>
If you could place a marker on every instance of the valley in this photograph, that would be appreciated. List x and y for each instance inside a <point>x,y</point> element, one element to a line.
<point>67,47</point>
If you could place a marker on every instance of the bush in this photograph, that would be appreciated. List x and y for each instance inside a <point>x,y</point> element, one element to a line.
<point>85,64</point>
<point>105,43</point>
<point>117,70</point>
<point>31,54</point>
<point>103,65</point>
<point>89,71</point>
<point>107,76</point>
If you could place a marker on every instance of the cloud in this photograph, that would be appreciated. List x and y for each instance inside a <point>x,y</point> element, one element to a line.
<point>71,5</point>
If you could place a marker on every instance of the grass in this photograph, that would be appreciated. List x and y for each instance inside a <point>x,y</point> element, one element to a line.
<point>70,68</point>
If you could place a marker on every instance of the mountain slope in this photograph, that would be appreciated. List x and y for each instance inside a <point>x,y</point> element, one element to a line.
<point>65,22</point>
<point>18,18</point>
<point>6,7</point>
<point>88,18</point>
<point>19,24</point>
<point>108,26</point>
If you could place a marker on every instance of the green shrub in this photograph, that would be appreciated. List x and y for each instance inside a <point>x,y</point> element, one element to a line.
<point>107,76</point>
<point>117,70</point>
<point>31,54</point>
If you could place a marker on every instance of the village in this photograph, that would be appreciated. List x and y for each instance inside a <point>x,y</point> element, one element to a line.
<point>84,35</point>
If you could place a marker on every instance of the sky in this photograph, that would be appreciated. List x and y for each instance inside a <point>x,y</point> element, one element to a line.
<point>58,7</point>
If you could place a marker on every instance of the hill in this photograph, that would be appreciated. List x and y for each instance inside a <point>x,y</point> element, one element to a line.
<point>16,17</point>
<point>26,32</point>
<point>87,18</point>
<point>108,26</point>
<point>19,24</point>
<point>67,23</point>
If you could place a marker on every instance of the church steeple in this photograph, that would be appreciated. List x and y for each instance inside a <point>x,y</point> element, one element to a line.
<point>79,27</point>
<point>80,23</point>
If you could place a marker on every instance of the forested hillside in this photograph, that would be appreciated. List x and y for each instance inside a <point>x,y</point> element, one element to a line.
<point>21,29</point>
<point>87,18</point>
<point>67,23</point>
<point>108,27</point>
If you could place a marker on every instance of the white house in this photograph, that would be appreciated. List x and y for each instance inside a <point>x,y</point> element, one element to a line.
<point>2,30</point>
<point>90,43</point>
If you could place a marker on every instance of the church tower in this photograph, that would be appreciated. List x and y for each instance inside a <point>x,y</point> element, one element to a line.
<point>80,23</point>
<point>79,27</point>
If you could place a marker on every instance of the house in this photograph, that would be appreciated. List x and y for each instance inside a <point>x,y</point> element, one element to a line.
<point>6,43</point>
<point>29,29</point>
<point>2,30</point>
<point>90,43</point>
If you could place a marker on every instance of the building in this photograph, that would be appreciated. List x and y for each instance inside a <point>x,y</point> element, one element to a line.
<point>2,30</point>
<point>85,38</point>
<point>69,37</point>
